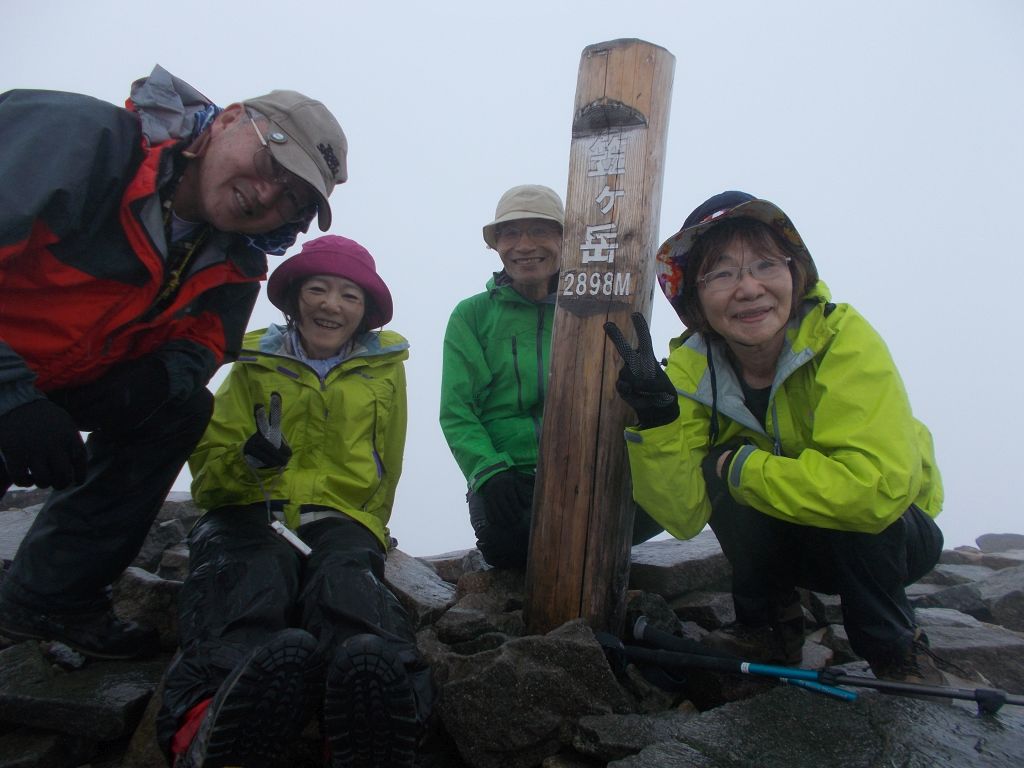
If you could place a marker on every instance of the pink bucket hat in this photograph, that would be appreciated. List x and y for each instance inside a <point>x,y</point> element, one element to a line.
<point>333,255</point>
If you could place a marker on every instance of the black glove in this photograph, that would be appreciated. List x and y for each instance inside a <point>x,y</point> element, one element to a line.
<point>642,383</point>
<point>716,485</point>
<point>267,448</point>
<point>121,399</point>
<point>507,497</point>
<point>41,446</point>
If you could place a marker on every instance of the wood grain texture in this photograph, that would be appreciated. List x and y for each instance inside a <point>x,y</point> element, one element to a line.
<point>583,509</point>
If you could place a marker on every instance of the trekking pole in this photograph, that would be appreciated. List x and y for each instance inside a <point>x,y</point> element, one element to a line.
<point>676,659</point>
<point>989,700</point>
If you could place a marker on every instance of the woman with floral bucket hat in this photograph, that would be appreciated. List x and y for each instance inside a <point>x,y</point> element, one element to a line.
<point>284,612</point>
<point>783,422</point>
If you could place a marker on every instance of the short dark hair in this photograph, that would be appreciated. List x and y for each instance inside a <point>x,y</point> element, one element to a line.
<point>709,247</point>
<point>291,304</point>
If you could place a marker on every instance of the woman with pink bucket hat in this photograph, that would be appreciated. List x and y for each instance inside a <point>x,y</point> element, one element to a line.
<point>284,612</point>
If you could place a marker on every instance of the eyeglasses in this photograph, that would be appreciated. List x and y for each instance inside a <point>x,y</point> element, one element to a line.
<point>511,233</point>
<point>295,203</point>
<point>727,278</point>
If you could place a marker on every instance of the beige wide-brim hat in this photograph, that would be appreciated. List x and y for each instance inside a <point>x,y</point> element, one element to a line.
<point>308,141</point>
<point>527,201</point>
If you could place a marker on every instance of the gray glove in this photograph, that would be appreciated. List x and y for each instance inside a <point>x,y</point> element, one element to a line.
<point>267,448</point>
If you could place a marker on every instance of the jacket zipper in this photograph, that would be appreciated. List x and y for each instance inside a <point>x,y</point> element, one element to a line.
<point>515,367</point>
<point>540,372</point>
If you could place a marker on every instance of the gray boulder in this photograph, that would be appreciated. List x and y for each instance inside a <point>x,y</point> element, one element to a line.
<point>1000,542</point>
<point>972,556</point>
<point>671,568</point>
<point>450,566</point>
<point>23,747</point>
<point>148,599</point>
<point>507,708</point>
<point>998,599</point>
<point>14,524</point>
<point>787,727</point>
<point>611,737</point>
<point>507,699</point>
<point>102,701</point>
<point>417,586</point>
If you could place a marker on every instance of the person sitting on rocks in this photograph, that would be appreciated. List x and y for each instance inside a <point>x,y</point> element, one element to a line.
<point>132,243</point>
<point>497,349</point>
<point>298,471</point>
<point>783,422</point>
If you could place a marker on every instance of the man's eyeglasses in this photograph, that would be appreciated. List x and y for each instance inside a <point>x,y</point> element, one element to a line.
<point>295,203</point>
<point>510,233</point>
<point>727,278</point>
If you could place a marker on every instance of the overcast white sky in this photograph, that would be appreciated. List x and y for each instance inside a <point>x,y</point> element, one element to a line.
<point>891,131</point>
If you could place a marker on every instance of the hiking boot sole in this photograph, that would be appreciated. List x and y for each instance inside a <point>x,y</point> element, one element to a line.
<point>369,707</point>
<point>261,708</point>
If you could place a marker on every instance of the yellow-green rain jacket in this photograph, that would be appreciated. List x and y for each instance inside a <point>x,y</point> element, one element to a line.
<point>347,433</point>
<point>842,449</point>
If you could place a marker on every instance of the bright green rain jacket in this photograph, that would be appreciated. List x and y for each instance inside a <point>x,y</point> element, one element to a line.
<point>494,380</point>
<point>347,433</point>
<point>842,448</point>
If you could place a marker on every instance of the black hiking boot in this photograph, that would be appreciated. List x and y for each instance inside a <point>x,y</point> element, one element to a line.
<point>779,643</point>
<point>261,707</point>
<point>99,634</point>
<point>915,665</point>
<point>369,707</point>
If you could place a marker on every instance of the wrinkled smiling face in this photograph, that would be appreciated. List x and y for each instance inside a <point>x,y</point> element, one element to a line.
<point>530,250</point>
<point>330,311</point>
<point>230,193</point>
<point>750,313</point>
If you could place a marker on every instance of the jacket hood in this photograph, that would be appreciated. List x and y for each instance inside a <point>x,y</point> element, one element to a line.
<point>171,109</point>
<point>275,340</point>
<point>168,107</point>
<point>501,284</point>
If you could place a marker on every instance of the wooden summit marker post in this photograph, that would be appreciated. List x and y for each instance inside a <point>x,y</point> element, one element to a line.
<point>583,509</point>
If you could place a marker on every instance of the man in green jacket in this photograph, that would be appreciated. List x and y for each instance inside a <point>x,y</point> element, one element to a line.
<point>494,377</point>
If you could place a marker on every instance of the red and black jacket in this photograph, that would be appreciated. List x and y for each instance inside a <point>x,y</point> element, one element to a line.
<point>83,254</point>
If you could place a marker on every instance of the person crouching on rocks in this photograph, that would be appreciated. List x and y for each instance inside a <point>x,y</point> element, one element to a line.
<point>285,612</point>
<point>783,422</point>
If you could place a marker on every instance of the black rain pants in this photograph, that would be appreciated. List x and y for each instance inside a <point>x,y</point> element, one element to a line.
<point>506,546</point>
<point>246,583</point>
<point>869,572</point>
<point>86,535</point>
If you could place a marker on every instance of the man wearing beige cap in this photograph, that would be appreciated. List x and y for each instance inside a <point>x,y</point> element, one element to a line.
<point>497,351</point>
<point>132,243</point>
<point>494,375</point>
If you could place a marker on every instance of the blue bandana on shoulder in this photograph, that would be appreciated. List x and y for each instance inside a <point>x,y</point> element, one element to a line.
<point>277,241</point>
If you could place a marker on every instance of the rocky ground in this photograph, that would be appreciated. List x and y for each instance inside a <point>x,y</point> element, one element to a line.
<point>512,700</point>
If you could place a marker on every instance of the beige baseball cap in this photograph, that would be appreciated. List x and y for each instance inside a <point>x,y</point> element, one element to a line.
<point>527,201</point>
<point>307,140</point>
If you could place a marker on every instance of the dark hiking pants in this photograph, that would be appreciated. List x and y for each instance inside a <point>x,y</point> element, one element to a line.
<point>869,572</point>
<point>246,583</point>
<point>85,536</point>
<point>506,546</point>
